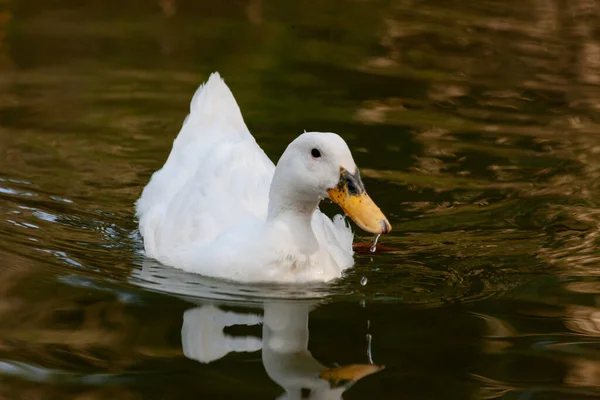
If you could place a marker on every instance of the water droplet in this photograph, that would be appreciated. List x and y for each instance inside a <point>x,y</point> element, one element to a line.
<point>369,354</point>
<point>363,281</point>
<point>374,245</point>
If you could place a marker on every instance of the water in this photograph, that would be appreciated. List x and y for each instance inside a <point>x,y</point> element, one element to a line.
<point>373,247</point>
<point>369,356</point>
<point>474,124</point>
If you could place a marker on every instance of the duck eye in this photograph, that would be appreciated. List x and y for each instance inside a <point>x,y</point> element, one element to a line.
<point>315,153</point>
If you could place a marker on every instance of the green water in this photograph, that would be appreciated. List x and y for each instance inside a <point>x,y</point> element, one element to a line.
<point>476,128</point>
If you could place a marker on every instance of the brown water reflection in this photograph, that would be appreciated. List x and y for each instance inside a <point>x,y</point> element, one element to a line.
<point>476,124</point>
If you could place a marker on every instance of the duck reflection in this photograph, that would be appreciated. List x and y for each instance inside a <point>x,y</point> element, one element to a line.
<point>285,333</point>
<point>203,337</point>
<point>284,346</point>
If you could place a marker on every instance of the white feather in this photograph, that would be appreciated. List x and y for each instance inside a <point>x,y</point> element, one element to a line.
<point>205,210</point>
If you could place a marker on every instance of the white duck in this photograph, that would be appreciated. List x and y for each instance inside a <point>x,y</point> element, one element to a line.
<point>219,207</point>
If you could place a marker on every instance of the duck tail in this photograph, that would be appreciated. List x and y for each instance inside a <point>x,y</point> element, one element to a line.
<point>212,103</point>
<point>213,98</point>
<point>214,116</point>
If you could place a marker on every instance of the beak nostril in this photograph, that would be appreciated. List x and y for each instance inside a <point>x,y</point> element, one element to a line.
<point>351,188</point>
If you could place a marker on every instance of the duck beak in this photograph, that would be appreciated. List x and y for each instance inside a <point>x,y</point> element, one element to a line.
<point>350,194</point>
<point>349,373</point>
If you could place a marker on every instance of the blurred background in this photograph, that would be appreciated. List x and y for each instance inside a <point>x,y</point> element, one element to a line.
<point>476,128</point>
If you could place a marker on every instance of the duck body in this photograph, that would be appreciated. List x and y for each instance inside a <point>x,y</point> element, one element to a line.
<point>219,206</point>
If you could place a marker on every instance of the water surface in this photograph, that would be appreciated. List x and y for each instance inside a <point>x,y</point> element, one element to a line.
<point>476,128</point>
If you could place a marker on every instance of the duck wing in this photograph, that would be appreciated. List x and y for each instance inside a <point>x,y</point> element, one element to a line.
<point>215,176</point>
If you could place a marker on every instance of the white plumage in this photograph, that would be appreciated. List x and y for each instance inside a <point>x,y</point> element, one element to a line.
<point>209,209</point>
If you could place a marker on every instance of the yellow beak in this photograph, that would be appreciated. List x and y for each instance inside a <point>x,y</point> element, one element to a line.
<point>349,373</point>
<point>350,194</point>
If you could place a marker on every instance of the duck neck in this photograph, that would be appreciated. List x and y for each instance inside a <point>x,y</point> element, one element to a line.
<point>288,207</point>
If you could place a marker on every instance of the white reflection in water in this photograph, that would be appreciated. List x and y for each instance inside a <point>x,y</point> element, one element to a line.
<point>204,340</point>
<point>284,346</point>
<point>285,333</point>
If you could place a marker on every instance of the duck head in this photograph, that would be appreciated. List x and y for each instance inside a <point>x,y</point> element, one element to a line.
<point>318,165</point>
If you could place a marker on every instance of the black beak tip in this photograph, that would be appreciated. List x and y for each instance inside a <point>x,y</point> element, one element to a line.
<point>385,227</point>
